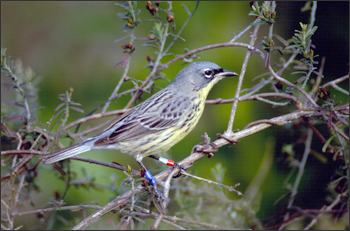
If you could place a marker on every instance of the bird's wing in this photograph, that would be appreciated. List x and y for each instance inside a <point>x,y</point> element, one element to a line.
<point>158,113</point>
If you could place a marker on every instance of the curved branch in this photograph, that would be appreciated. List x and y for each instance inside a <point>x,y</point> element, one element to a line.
<point>292,85</point>
<point>166,65</point>
<point>95,116</point>
<point>84,159</point>
<point>253,36</point>
<point>188,162</point>
<point>256,97</point>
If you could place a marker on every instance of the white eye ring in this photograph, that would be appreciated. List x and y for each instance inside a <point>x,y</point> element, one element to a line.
<point>208,73</point>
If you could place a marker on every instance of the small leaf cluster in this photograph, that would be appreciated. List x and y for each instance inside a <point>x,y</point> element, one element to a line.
<point>128,48</point>
<point>302,41</point>
<point>26,89</point>
<point>63,108</point>
<point>67,100</point>
<point>157,32</point>
<point>154,9</point>
<point>131,14</point>
<point>263,13</point>
<point>151,8</point>
<point>269,45</point>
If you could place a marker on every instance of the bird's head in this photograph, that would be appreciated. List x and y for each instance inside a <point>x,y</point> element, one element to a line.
<point>200,77</point>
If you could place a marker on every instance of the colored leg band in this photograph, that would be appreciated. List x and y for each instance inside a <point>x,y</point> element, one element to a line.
<point>166,161</point>
<point>150,177</point>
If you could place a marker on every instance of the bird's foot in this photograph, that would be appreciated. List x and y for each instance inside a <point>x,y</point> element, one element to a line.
<point>181,169</point>
<point>206,147</point>
<point>151,186</point>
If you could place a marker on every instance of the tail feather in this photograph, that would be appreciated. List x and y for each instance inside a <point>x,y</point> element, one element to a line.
<point>65,153</point>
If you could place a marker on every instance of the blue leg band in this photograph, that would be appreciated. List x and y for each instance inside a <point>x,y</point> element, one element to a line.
<point>150,177</point>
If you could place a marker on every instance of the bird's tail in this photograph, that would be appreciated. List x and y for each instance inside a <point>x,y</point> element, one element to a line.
<point>67,152</point>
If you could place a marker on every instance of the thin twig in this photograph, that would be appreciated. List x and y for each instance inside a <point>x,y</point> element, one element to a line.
<point>126,69</point>
<point>258,97</point>
<point>292,85</point>
<point>230,188</point>
<point>95,116</point>
<point>240,82</point>
<point>183,26</point>
<point>336,81</point>
<point>242,32</point>
<point>155,69</point>
<point>313,13</point>
<point>319,78</point>
<point>72,208</point>
<point>177,219</point>
<point>300,174</point>
<point>319,135</point>
<point>186,163</point>
<point>324,209</point>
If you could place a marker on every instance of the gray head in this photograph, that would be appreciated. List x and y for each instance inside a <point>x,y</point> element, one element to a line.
<point>200,77</point>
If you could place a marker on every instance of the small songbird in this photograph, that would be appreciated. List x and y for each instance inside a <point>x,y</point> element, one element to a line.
<point>159,122</point>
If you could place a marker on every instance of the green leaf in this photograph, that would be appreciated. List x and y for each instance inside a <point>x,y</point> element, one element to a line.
<point>282,40</point>
<point>299,36</point>
<point>309,33</point>
<point>252,13</point>
<point>257,23</point>
<point>306,7</point>
<point>296,40</point>
<point>303,26</point>
<point>276,48</point>
<point>324,148</point>
<point>291,46</point>
<point>121,14</point>
<point>253,7</point>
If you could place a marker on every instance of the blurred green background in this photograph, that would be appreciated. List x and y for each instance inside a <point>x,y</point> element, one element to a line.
<point>70,44</point>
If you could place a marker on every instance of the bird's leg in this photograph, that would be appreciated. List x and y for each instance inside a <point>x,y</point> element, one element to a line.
<point>152,181</point>
<point>163,160</point>
<point>170,163</point>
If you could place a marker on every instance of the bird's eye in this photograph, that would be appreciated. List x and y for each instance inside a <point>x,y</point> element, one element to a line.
<point>208,73</point>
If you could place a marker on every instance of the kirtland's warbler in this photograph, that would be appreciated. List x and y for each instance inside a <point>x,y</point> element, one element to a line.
<point>159,122</point>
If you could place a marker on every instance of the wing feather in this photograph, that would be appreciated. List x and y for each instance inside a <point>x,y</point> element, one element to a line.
<point>154,115</point>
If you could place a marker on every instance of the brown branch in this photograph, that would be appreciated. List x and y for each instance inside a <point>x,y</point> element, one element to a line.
<point>177,219</point>
<point>319,77</point>
<point>84,159</point>
<point>95,116</point>
<point>72,208</point>
<point>326,209</point>
<point>319,135</point>
<point>13,152</point>
<point>188,162</point>
<point>229,44</point>
<point>306,95</point>
<point>338,80</point>
<point>240,81</point>
<point>103,163</point>
<point>256,97</point>
<point>230,188</point>
<point>108,122</point>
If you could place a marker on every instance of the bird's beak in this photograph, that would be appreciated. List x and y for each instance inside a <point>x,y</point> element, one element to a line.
<point>226,73</point>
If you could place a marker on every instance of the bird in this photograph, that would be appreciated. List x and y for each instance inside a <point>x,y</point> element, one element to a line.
<point>159,122</point>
